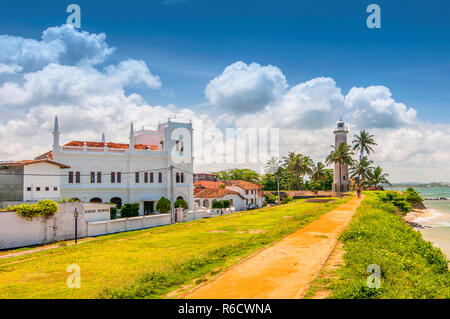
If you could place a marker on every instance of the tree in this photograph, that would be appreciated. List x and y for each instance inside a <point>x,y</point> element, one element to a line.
<point>180,202</point>
<point>361,170</point>
<point>298,166</point>
<point>319,173</point>
<point>377,177</point>
<point>239,174</point>
<point>163,205</point>
<point>363,143</point>
<point>273,167</point>
<point>305,166</point>
<point>341,155</point>
<point>289,165</point>
<point>129,210</point>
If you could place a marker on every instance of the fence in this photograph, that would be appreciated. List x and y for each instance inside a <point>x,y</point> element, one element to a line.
<point>93,220</point>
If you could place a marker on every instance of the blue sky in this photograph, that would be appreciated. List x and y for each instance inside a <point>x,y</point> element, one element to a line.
<point>292,65</point>
<point>187,43</point>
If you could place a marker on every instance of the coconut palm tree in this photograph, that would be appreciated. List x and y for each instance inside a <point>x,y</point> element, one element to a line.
<point>319,173</point>
<point>361,170</point>
<point>273,166</point>
<point>289,166</point>
<point>377,177</point>
<point>305,166</point>
<point>363,143</point>
<point>341,155</point>
<point>296,166</point>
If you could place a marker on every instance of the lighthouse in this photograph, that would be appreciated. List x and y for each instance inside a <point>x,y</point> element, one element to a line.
<point>341,182</point>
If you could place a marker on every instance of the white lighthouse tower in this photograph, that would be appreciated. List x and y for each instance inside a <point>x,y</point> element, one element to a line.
<point>341,181</point>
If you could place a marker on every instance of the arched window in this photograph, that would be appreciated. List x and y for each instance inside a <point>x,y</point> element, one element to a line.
<point>180,197</point>
<point>177,179</point>
<point>206,203</point>
<point>117,201</point>
<point>96,200</point>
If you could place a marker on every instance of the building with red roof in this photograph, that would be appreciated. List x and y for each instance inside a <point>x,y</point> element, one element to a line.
<point>133,172</point>
<point>242,194</point>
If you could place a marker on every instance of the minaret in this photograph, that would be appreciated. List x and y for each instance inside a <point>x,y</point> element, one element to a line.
<point>56,134</point>
<point>131,147</point>
<point>103,138</point>
<point>341,181</point>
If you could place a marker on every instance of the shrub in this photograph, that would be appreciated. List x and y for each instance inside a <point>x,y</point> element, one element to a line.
<point>217,204</point>
<point>413,197</point>
<point>287,200</point>
<point>163,205</point>
<point>396,199</point>
<point>44,208</point>
<point>270,198</point>
<point>182,203</point>
<point>113,213</point>
<point>226,203</point>
<point>129,210</point>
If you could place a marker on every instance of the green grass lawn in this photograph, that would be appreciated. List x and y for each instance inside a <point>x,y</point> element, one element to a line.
<point>410,266</point>
<point>152,262</point>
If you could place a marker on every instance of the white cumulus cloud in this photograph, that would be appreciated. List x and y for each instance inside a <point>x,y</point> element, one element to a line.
<point>243,88</point>
<point>63,45</point>
<point>374,107</point>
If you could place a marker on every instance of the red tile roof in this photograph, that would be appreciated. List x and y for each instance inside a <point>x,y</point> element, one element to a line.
<point>112,145</point>
<point>216,193</point>
<point>48,155</point>
<point>245,185</point>
<point>30,162</point>
<point>208,184</point>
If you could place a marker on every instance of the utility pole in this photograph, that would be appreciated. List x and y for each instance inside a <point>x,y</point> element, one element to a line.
<point>172,210</point>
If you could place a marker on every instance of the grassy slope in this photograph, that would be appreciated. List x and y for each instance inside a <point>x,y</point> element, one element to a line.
<point>410,266</point>
<point>121,264</point>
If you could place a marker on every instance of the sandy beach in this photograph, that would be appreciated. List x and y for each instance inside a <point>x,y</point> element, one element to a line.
<point>436,222</point>
<point>418,213</point>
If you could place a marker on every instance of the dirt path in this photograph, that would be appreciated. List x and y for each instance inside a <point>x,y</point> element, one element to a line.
<point>284,270</point>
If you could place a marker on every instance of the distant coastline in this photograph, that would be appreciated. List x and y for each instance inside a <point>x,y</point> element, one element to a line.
<point>421,185</point>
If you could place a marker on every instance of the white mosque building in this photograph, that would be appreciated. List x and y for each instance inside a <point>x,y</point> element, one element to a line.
<point>138,172</point>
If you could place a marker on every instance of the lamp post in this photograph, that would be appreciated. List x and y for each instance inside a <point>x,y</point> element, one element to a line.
<point>75,214</point>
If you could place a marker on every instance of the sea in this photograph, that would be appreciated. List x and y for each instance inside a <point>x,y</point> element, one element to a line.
<point>439,233</point>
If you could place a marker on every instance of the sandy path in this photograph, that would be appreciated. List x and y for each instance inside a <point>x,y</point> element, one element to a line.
<point>285,269</point>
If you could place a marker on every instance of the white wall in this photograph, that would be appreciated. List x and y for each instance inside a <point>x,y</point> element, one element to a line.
<point>16,231</point>
<point>41,181</point>
<point>256,199</point>
<point>238,202</point>
<point>126,224</point>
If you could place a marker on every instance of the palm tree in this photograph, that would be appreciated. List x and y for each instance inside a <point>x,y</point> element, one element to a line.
<point>363,142</point>
<point>319,173</point>
<point>306,165</point>
<point>361,170</point>
<point>340,155</point>
<point>378,177</point>
<point>273,167</point>
<point>289,165</point>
